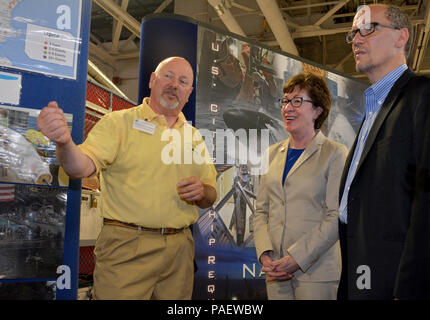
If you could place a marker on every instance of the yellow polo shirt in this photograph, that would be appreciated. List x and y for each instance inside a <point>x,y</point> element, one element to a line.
<point>139,169</point>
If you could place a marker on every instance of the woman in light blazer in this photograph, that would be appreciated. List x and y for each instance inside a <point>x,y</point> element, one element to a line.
<point>296,218</point>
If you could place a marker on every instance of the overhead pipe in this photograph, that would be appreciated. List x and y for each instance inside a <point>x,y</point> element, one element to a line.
<point>98,75</point>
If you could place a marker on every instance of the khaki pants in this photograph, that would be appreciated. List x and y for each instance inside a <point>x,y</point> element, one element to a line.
<point>302,290</point>
<point>132,264</point>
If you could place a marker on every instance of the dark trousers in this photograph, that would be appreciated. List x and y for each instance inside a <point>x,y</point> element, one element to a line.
<point>342,292</point>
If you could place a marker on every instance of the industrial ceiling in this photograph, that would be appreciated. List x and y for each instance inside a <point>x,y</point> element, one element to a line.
<point>312,29</point>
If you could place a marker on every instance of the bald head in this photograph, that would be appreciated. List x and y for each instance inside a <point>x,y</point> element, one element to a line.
<point>381,50</point>
<point>396,17</point>
<point>171,85</point>
<point>179,60</point>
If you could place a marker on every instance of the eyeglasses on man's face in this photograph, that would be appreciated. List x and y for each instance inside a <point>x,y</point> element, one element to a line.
<point>366,30</point>
<point>295,102</point>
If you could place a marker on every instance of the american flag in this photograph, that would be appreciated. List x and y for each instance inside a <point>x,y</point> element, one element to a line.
<point>7,192</point>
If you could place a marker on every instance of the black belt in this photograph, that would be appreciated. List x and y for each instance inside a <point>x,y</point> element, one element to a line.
<point>162,231</point>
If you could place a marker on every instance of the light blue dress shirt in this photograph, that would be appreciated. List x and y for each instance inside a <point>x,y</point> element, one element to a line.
<point>374,97</point>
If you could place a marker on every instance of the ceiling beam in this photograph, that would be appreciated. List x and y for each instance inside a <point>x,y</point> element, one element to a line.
<point>226,17</point>
<point>324,50</point>
<point>242,7</point>
<point>314,31</point>
<point>288,20</point>
<point>102,54</point>
<point>126,55</point>
<point>312,5</point>
<point>118,28</point>
<point>117,13</point>
<point>331,12</point>
<point>162,6</point>
<point>276,22</point>
<point>422,42</point>
<point>339,66</point>
<point>125,43</point>
<point>351,14</point>
<point>306,32</point>
<point>94,38</point>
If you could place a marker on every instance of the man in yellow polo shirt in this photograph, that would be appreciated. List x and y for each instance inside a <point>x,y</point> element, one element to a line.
<point>154,170</point>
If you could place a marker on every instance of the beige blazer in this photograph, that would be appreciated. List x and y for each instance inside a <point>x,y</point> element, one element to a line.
<point>300,218</point>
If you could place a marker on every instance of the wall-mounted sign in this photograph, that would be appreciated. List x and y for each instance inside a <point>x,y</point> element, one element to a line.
<point>40,36</point>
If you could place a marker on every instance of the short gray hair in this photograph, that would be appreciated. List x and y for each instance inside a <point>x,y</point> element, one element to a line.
<point>400,20</point>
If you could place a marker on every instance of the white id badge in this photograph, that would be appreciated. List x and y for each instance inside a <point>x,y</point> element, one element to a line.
<point>144,126</point>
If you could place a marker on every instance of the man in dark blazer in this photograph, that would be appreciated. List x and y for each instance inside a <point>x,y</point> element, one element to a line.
<point>384,213</point>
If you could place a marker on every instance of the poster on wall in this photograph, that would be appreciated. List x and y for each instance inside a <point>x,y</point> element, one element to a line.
<point>28,290</point>
<point>238,91</point>
<point>32,227</point>
<point>26,155</point>
<point>43,57</point>
<point>41,36</point>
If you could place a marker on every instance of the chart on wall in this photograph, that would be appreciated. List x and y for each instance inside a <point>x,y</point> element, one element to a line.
<point>238,92</point>
<point>40,36</point>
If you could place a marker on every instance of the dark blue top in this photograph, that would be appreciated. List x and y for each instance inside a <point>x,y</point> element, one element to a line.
<point>292,156</point>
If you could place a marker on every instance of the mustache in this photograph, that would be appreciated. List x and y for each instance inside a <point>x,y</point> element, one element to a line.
<point>172,91</point>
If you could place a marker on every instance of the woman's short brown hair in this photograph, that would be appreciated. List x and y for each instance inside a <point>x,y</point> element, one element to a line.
<point>318,91</point>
